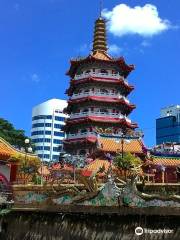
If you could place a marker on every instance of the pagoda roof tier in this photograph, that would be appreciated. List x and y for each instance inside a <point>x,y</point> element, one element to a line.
<point>107,100</point>
<point>119,82</point>
<point>94,119</point>
<point>101,57</point>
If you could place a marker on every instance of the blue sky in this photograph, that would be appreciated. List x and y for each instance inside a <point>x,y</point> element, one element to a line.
<point>38,38</point>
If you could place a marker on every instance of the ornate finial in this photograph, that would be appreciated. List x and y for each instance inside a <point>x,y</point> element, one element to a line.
<point>99,42</point>
<point>101,7</point>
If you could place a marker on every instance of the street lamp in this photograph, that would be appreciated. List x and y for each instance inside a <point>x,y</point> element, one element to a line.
<point>28,149</point>
<point>27,141</point>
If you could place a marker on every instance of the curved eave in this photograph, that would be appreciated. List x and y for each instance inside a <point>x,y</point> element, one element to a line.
<point>102,99</point>
<point>120,82</point>
<point>101,120</point>
<point>4,156</point>
<point>119,61</point>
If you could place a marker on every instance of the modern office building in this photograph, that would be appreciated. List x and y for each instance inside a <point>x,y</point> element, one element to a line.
<point>168,125</point>
<point>47,133</point>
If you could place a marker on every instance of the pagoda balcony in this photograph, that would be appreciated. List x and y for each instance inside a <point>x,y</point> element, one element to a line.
<point>99,114</point>
<point>100,75</point>
<point>81,135</point>
<point>100,94</point>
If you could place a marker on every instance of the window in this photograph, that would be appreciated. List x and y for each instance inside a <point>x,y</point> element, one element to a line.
<point>42,117</point>
<point>103,110</point>
<point>86,90</point>
<point>37,133</point>
<point>57,126</point>
<point>38,140</point>
<point>40,133</point>
<point>103,90</point>
<point>104,71</point>
<point>59,119</point>
<point>41,125</point>
<point>38,148</point>
<point>48,132</point>
<point>55,157</point>
<point>57,141</point>
<point>47,148</point>
<point>85,110</point>
<point>58,111</point>
<point>56,149</point>
<point>59,134</point>
<point>47,156</point>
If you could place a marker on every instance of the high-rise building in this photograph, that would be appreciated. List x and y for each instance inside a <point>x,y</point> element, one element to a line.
<point>47,133</point>
<point>97,96</point>
<point>168,125</point>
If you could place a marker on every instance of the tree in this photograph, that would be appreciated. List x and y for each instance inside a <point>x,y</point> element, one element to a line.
<point>15,137</point>
<point>127,163</point>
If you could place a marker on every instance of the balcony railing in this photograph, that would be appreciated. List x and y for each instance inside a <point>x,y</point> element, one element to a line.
<point>81,135</point>
<point>100,75</point>
<point>98,114</point>
<point>98,94</point>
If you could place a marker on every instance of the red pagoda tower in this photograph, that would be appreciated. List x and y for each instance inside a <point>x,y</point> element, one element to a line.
<point>97,96</point>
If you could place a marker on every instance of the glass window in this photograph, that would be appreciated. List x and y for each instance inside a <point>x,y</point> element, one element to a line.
<point>57,126</point>
<point>41,125</point>
<point>55,157</point>
<point>59,118</point>
<point>60,134</point>
<point>57,141</point>
<point>47,156</point>
<point>56,149</point>
<point>48,132</point>
<point>42,117</point>
<point>37,133</point>
<point>38,140</point>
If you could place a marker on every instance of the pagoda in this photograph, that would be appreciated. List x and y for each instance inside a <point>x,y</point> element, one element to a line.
<point>97,96</point>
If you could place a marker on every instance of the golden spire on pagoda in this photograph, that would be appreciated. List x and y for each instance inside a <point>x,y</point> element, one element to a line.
<point>99,42</point>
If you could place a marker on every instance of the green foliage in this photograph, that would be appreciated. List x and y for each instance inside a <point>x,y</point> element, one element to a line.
<point>127,162</point>
<point>14,136</point>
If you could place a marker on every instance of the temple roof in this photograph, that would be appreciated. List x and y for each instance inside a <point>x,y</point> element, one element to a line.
<point>166,161</point>
<point>111,145</point>
<point>100,57</point>
<point>9,153</point>
<point>96,164</point>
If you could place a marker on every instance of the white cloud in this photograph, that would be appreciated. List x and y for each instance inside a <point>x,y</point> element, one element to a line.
<point>35,78</point>
<point>114,49</point>
<point>144,21</point>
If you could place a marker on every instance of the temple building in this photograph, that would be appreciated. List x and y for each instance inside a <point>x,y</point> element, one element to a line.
<point>97,94</point>
<point>11,159</point>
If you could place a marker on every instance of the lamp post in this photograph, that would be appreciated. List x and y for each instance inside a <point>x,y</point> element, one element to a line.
<point>28,149</point>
